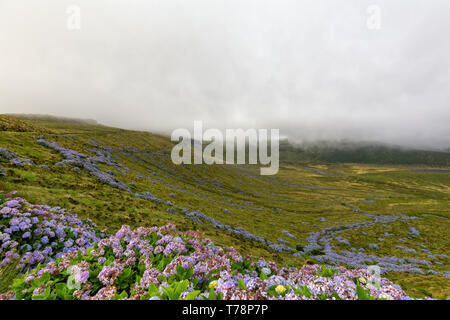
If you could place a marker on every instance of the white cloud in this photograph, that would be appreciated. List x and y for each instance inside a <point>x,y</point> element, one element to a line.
<point>311,68</point>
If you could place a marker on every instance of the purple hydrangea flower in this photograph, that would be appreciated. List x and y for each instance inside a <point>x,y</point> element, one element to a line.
<point>44,239</point>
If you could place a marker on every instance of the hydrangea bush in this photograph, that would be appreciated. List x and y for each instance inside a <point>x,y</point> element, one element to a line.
<point>156,263</point>
<point>39,234</point>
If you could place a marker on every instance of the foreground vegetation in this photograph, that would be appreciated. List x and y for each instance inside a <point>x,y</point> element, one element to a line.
<point>305,197</point>
<point>68,261</point>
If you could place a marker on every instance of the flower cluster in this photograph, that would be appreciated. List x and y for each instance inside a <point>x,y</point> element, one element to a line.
<point>160,263</point>
<point>13,158</point>
<point>81,160</point>
<point>36,234</point>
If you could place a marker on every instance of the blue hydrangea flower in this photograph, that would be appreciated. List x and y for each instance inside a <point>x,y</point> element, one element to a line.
<point>44,239</point>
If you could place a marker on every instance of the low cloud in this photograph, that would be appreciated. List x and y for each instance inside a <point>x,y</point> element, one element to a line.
<point>313,69</point>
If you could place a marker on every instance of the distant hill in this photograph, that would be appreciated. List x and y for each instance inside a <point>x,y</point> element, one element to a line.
<point>360,152</point>
<point>14,124</point>
<point>46,117</point>
<point>290,153</point>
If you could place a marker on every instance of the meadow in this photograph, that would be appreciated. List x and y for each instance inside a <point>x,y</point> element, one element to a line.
<point>340,214</point>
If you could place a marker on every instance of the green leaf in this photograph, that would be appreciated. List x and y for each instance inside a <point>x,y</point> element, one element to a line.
<point>189,273</point>
<point>153,290</point>
<point>303,291</point>
<point>327,272</point>
<point>362,294</point>
<point>192,295</point>
<point>125,276</point>
<point>212,294</point>
<point>181,287</point>
<point>18,284</point>
<point>123,295</point>
<point>271,291</point>
<point>180,271</point>
<point>60,289</point>
<point>241,284</point>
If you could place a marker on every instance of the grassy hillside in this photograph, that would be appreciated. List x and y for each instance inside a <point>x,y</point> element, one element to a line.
<point>299,211</point>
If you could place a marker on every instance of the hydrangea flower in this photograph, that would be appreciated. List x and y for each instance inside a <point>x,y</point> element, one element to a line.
<point>138,261</point>
<point>266,271</point>
<point>44,225</point>
<point>280,289</point>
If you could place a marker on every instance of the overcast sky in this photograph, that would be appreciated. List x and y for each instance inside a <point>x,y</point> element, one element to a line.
<point>315,69</point>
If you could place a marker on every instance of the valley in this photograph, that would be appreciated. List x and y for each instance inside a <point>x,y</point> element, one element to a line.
<point>355,215</point>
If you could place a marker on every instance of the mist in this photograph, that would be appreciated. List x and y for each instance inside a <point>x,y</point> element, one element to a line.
<point>314,69</point>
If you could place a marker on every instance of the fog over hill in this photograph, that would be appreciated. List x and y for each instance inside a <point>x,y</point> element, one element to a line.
<point>313,69</point>
<point>346,151</point>
<point>291,152</point>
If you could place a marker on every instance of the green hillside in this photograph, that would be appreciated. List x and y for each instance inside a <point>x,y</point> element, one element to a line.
<point>334,208</point>
<point>352,152</point>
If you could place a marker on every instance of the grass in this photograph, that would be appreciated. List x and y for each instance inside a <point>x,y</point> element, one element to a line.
<point>294,200</point>
<point>7,275</point>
